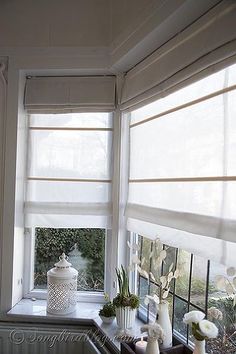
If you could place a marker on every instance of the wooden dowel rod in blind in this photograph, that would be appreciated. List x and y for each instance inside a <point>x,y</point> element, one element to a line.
<point>185,105</point>
<point>67,179</point>
<point>184,179</point>
<point>67,128</point>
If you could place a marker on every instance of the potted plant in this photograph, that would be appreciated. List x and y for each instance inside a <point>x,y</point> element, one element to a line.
<point>125,302</point>
<point>108,312</point>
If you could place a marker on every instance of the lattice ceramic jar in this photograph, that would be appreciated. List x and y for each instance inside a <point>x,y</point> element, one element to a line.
<point>62,287</point>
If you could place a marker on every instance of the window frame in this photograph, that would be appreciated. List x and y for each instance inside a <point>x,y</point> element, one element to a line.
<point>145,315</point>
<point>112,240</point>
<point>28,281</point>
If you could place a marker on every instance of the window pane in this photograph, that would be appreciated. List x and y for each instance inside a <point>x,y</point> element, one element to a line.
<point>198,283</point>
<point>85,248</point>
<point>181,307</point>
<point>70,154</point>
<point>146,252</point>
<point>142,290</point>
<point>72,120</point>
<point>219,299</point>
<point>155,264</point>
<point>182,283</point>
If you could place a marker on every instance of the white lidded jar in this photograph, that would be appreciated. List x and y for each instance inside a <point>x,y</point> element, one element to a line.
<point>62,287</point>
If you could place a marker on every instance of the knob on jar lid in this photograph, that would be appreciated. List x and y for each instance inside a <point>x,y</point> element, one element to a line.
<point>63,263</point>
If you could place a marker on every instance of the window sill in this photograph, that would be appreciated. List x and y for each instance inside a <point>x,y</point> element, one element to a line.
<point>82,296</point>
<point>86,314</point>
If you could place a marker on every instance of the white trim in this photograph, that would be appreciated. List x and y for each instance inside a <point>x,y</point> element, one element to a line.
<point>82,296</point>
<point>29,255</point>
<point>30,292</point>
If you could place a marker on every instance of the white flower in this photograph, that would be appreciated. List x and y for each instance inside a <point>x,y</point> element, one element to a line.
<point>208,329</point>
<point>214,313</point>
<point>154,331</point>
<point>193,317</point>
<point>149,298</point>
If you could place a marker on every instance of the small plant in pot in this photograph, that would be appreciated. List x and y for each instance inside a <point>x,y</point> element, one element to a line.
<point>125,302</point>
<point>108,312</point>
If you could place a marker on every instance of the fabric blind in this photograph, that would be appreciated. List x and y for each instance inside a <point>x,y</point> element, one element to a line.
<point>70,93</point>
<point>182,183</point>
<point>201,46</point>
<point>69,170</point>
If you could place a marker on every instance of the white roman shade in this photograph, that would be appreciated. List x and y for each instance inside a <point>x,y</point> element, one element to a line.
<point>202,46</point>
<point>69,170</point>
<point>182,183</point>
<point>51,94</point>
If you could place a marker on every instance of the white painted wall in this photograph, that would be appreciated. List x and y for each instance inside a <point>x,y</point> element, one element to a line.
<point>54,23</point>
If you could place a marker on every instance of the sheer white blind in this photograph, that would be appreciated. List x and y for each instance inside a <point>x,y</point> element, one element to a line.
<point>182,185</point>
<point>69,170</point>
<point>70,93</point>
<point>206,43</point>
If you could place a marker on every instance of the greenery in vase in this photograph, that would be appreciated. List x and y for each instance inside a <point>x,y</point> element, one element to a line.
<point>124,298</point>
<point>108,310</point>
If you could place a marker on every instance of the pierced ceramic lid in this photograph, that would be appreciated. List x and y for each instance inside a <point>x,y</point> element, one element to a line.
<point>63,263</point>
<point>62,269</point>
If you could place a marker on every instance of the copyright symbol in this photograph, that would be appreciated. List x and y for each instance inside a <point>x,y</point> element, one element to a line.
<point>16,336</point>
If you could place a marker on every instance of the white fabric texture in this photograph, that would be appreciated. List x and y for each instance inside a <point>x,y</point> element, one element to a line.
<point>69,170</point>
<point>76,93</point>
<point>183,167</point>
<point>207,42</point>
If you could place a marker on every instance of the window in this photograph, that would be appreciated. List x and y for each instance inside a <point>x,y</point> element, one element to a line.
<point>68,202</point>
<point>181,191</point>
<point>85,249</point>
<point>195,289</point>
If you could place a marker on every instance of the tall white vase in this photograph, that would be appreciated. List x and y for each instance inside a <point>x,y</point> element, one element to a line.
<point>125,317</point>
<point>152,346</point>
<point>199,347</point>
<point>164,321</point>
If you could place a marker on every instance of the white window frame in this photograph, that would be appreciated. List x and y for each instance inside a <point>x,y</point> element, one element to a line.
<point>28,281</point>
<point>116,237</point>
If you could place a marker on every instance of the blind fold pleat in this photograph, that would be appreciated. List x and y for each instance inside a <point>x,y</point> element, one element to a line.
<point>48,94</point>
<point>200,47</point>
<point>203,225</point>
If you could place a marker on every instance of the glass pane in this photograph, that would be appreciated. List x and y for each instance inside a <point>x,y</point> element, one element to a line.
<point>225,321</point>
<point>182,282</point>
<point>85,248</point>
<point>180,308</point>
<point>142,290</point>
<point>146,253</point>
<point>72,120</point>
<point>155,264</point>
<point>70,154</point>
<point>154,289</point>
<point>198,89</point>
<point>198,283</point>
<point>196,135</point>
<point>170,261</point>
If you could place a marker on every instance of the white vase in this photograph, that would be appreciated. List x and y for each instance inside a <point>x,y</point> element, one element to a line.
<point>164,321</point>
<point>125,317</point>
<point>152,346</point>
<point>107,320</point>
<point>199,347</point>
